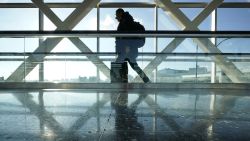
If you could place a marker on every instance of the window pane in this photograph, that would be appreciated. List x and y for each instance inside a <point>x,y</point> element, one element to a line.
<point>233,19</point>
<point>25,18</point>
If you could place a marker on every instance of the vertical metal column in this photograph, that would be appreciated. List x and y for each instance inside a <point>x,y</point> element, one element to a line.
<point>213,28</point>
<point>156,39</point>
<point>98,73</point>
<point>24,60</point>
<point>213,73</point>
<point>98,114</point>
<point>98,38</point>
<point>41,64</point>
<point>156,69</point>
<point>41,106</point>
<point>41,71</point>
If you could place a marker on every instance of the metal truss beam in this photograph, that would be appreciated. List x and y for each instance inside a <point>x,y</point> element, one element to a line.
<point>128,5</point>
<point>140,59</point>
<point>77,124</point>
<point>112,33</point>
<point>48,119</point>
<point>32,61</point>
<point>163,115</point>
<point>136,87</point>
<point>41,114</point>
<point>181,19</point>
<point>72,20</point>
<point>76,41</point>
<point>177,41</point>
<point>232,71</point>
<point>227,103</point>
<point>91,112</point>
<point>228,67</point>
<point>47,46</point>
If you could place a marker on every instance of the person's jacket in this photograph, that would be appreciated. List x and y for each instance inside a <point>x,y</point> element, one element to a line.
<point>125,25</point>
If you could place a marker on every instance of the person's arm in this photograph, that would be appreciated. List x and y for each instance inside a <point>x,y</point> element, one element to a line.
<point>120,28</point>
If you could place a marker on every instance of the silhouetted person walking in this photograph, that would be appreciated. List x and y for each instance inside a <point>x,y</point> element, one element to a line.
<point>126,47</point>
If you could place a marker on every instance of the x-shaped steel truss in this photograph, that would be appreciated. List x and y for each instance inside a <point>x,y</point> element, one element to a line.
<point>205,44</point>
<point>87,5</point>
<point>46,46</point>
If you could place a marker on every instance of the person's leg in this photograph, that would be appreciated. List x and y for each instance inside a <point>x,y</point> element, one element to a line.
<point>124,72</point>
<point>139,71</point>
<point>120,54</point>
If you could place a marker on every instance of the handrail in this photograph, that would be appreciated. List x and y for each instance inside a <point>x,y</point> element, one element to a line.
<point>152,87</point>
<point>113,33</point>
<point>126,5</point>
<point>138,59</point>
<point>113,53</point>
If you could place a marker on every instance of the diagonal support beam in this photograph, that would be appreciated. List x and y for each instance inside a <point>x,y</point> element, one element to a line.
<point>174,44</point>
<point>91,112</point>
<point>73,19</point>
<point>47,46</point>
<point>205,44</point>
<point>43,115</point>
<point>159,111</point>
<point>227,104</point>
<point>182,19</point>
<point>177,41</point>
<point>153,64</point>
<point>32,61</point>
<point>163,115</point>
<point>76,41</point>
<point>26,100</point>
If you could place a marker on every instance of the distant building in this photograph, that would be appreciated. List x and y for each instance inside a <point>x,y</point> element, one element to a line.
<point>176,76</point>
<point>198,70</point>
<point>171,72</point>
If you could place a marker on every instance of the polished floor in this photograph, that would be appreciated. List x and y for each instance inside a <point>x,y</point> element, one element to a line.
<point>77,115</point>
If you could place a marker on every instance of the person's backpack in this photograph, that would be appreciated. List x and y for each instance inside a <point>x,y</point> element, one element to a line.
<point>139,41</point>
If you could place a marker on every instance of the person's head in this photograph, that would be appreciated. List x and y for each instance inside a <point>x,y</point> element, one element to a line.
<point>119,13</point>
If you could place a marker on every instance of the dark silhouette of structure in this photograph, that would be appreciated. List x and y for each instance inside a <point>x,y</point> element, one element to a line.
<point>126,50</point>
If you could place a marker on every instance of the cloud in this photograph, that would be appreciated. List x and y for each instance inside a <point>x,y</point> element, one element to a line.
<point>139,20</point>
<point>92,24</point>
<point>108,23</point>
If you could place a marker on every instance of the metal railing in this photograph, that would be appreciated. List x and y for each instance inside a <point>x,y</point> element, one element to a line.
<point>153,58</point>
<point>112,33</point>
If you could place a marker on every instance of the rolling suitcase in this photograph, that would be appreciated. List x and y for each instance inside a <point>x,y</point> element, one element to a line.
<point>119,72</point>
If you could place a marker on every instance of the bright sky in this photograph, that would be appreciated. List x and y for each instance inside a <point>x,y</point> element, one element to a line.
<point>27,19</point>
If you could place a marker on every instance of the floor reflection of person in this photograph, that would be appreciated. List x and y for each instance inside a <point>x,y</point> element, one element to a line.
<point>126,48</point>
<point>126,124</point>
